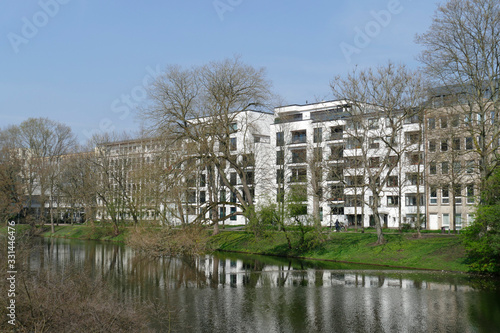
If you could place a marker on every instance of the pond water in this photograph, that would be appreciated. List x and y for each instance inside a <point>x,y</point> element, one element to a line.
<point>242,293</point>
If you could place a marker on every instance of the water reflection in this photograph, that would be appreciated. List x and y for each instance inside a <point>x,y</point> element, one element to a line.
<point>234,293</point>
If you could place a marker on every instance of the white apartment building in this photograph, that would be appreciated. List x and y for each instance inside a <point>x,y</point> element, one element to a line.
<point>327,154</point>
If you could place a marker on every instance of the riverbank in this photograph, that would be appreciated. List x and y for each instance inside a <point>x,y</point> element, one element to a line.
<point>433,251</point>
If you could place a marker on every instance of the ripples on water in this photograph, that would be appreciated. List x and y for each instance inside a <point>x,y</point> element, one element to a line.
<point>236,293</point>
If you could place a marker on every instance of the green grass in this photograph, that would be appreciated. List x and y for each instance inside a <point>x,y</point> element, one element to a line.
<point>434,251</point>
<point>86,232</point>
<point>401,250</point>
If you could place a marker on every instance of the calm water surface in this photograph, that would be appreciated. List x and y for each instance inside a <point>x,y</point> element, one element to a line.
<point>238,293</point>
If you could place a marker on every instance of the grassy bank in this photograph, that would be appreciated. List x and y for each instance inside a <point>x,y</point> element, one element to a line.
<point>438,252</point>
<point>433,251</point>
<point>96,232</point>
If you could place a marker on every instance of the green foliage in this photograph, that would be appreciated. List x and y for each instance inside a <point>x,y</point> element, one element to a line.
<point>482,238</point>
<point>266,217</point>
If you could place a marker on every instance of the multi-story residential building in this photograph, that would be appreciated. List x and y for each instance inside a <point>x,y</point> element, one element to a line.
<point>348,162</point>
<point>457,134</point>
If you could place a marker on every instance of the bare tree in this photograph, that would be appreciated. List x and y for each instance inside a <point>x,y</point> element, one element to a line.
<point>201,106</point>
<point>391,94</point>
<point>462,53</point>
<point>43,142</point>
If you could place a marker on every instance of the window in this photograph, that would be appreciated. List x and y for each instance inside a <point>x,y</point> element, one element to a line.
<point>280,157</point>
<point>412,178</point>
<point>457,167</point>
<point>299,136</point>
<point>470,193</point>
<point>336,174</point>
<point>455,121</point>
<point>337,192</point>
<point>444,145</point>
<point>431,123</point>
<point>432,168</point>
<point>446,220</point>
<point>411,199</point>
<point>233,217</point>
<point>337,153</point>
<point>233,197</point>
<point>353,201</point>
<point>392,161</point>
<point>468,143</point>
<point>392,201</point>
<point>415,159</point>
<point>374,143</point>
<point>354,143</point>
<point>280,195</point>
<point>233,144</point>
<point>202,197</point>
<point>354,162</point>
<point>249,177</point>
<point>280,176</point>
<point>456,143</point>
<point>352,181</point>
<point>299,156</point>
<point>444,168</point>
<point>222,196</point>
<point>374,181</point>
<point>371,201</point>
<point>458,221</point>
<point>336,133</point>
<point>318,135</point>
<point>222,212</point>
<point>232,178</point>
<point>433,196</point>
<point>233,127</point>
<point>445,195</point>
<point>412,138</point>
<point>280,139</point>
<point>392,181</point>
<point>469,166</point>
<point>203,180</point>
<point>444,122</point>
<point>432,145</point>
<point>298,175</point>
<point>373,123</point>
<point>318,154</point>
<point>191,196</point>
<point>374,162</point>
<point>457,193</point>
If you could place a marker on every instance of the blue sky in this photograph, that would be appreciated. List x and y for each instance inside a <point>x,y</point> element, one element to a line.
<point>85,62</point>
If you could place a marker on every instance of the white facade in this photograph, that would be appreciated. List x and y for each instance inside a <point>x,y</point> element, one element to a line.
<point>333,156</point>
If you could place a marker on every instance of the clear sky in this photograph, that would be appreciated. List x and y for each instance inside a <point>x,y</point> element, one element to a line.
<point>85,63</point>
